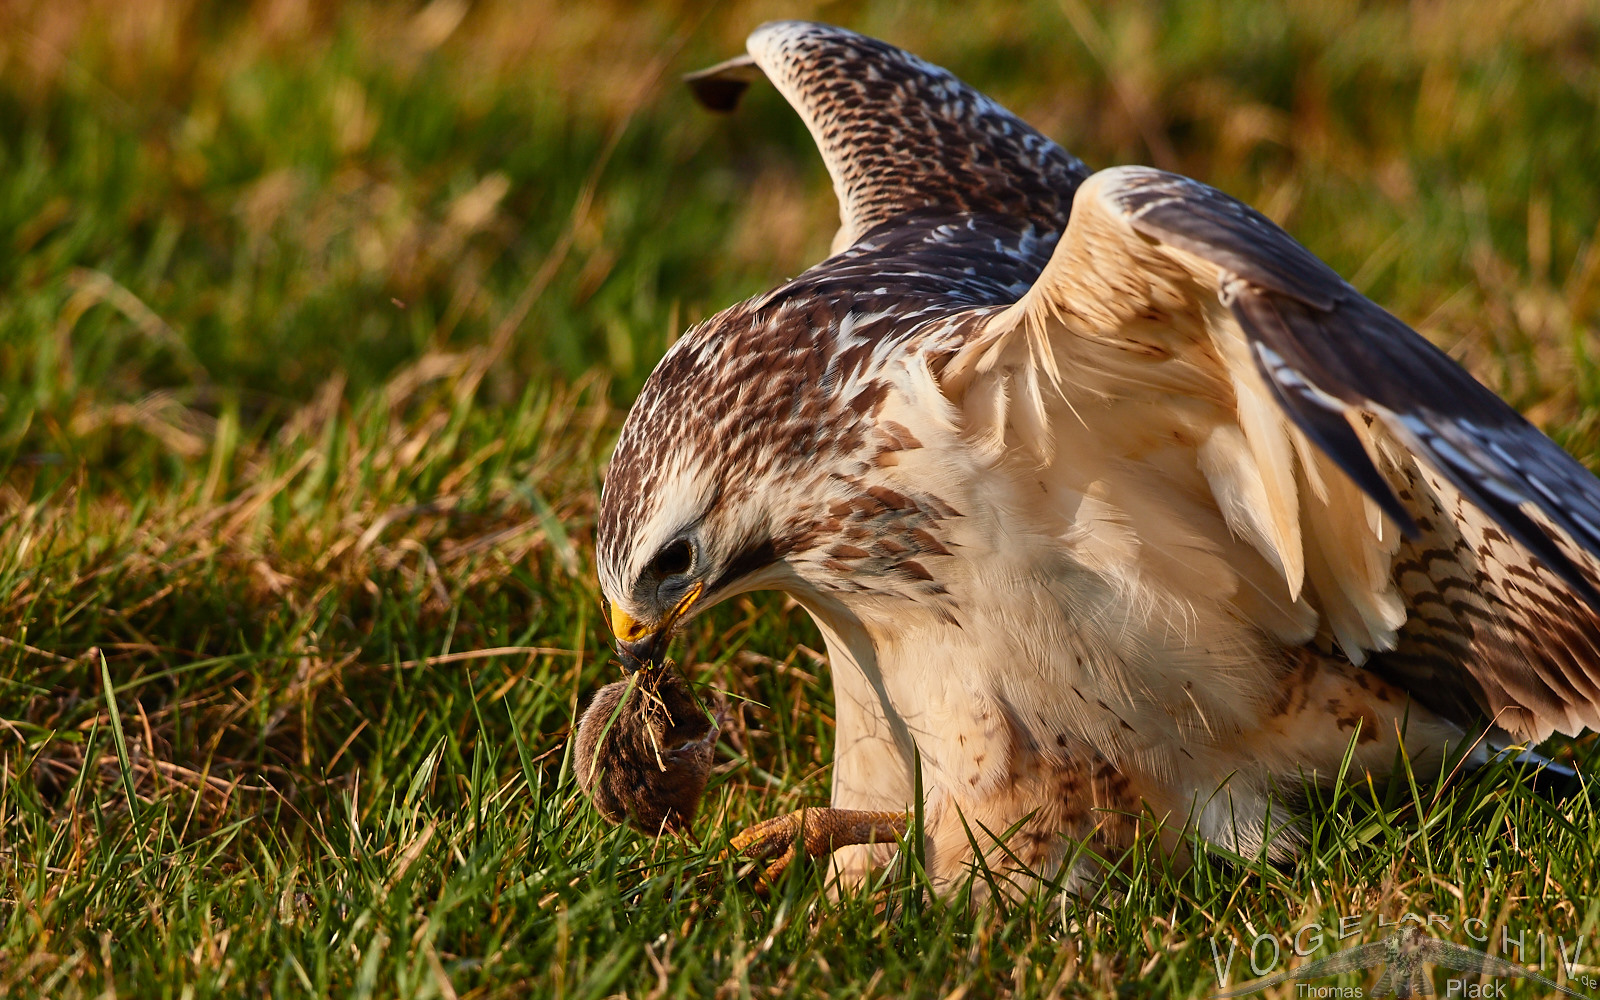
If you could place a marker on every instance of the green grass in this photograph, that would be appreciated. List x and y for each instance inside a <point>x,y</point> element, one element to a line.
<point>316,327</point>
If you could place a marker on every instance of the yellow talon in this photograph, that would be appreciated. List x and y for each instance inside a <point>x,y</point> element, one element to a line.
<point>818,832</point>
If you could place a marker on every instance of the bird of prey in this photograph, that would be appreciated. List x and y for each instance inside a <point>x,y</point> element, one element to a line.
<point>1113,504</point>
<point>1404,953</point>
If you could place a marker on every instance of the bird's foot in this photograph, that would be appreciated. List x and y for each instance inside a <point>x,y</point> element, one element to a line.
<point>815,833</point>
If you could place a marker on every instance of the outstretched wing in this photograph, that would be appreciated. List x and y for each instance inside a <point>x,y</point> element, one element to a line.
<point>1454,956</point>
<point>1229,388</point>
<point>1350,960</point>
<point>899,135</point>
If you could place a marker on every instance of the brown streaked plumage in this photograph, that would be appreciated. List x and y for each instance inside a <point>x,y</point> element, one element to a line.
<point>1112,502</point>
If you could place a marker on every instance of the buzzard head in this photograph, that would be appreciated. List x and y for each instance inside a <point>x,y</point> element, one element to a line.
<point>720,469</point>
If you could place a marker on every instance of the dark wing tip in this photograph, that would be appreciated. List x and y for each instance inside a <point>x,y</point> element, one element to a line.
<point>1327,427</point>
<point>900,135</point>
<point>1200,219</point>
<point>719,88</point>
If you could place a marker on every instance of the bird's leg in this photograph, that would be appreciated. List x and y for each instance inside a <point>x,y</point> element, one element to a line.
<point>816,832</point>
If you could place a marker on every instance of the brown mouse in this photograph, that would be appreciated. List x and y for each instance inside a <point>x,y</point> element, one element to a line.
<point>644,751</point>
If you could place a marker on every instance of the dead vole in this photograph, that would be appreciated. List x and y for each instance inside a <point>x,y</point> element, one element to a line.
<point>644,749</point>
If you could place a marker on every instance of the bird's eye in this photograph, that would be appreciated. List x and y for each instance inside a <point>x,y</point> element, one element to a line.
<point>673,559</point>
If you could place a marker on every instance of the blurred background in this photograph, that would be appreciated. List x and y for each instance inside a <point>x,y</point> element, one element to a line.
<point>317,322</point>
<point>234,202</point>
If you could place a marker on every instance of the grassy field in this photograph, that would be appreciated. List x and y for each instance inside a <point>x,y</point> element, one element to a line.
<point>316,325</point>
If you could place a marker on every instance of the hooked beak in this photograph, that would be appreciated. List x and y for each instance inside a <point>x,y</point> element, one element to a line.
<point>639,645</point>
